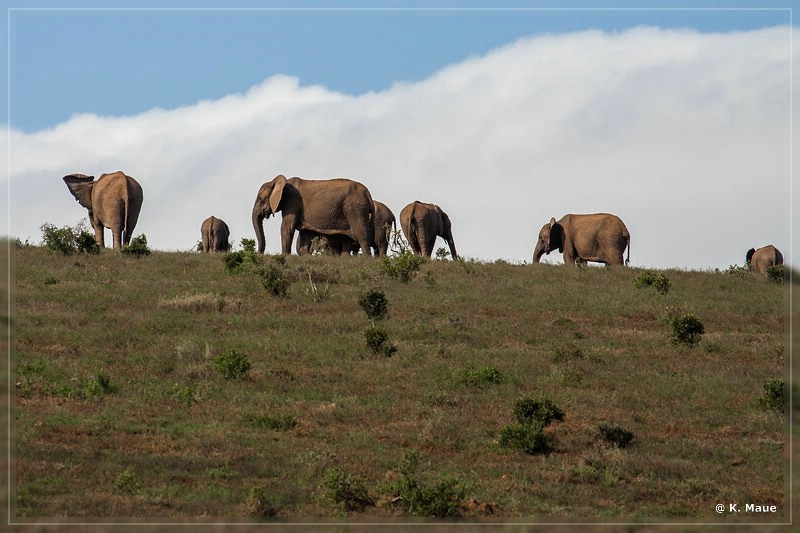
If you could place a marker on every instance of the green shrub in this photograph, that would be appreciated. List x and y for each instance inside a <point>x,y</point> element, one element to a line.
<point>258,504</point>
<point>442,253</point>
<point>402,267</point>
<point>137,247</point>
<point>183,393</point>
<point>538,411</point>
<point>480,378</point>
<point>774,397</point>
<point>615,435</point>
<point>441,500</point>
<point>658,281</point>
<point>232,364</point>
<point>275,423</point>
<point>61,240</point>
<point>96,386</point>
<point>127,481</point>
<point>274,278</point>
<point>86,243</point>
<point>50,280</point>
<point>530,438</point>
<point>248,245</point>
<point>737,270</point>
<point>374,304</point>
<point>777,274</point>
<point>686,329</point>
<point>345,491</point>
<point>378,341</point>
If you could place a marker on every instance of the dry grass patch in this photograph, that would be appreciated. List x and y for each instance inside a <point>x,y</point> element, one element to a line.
<point>201,303</point>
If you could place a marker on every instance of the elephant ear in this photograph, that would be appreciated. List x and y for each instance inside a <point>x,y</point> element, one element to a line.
<point>749,256</point>
<point>80,186</point>
<point>275,196</point>
<point>556,235</point>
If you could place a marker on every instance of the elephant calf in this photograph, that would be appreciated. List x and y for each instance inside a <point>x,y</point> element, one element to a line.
<point>215,234</point>
<point>600,238</point>
<point>763,258</point>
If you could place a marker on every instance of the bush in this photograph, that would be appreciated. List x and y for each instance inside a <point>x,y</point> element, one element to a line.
<point>273,277</point>
<point>374,304</point>
<point>686,329</point>
<point>232,364</point>
<point>402,267</point>
<point>529,438</point>
<point>659,281</point>
<point>774,397</point>
<point>275,423</point>
<point>615,435</point>
<point>69,240</point>
<point>97,385</point>
<point>248,245</point>
<point>441,500</point>
<point>539,411</point>
<point>481,378</point>
<point>378,341</point>
<point>777,274</point>
<point>137,247</point>
<point>258,504</point>
<point>127,481</point>
<point>345,491</point>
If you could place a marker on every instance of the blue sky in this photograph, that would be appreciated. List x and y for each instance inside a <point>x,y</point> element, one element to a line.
<point>675,119</point>
<point>121,62</point>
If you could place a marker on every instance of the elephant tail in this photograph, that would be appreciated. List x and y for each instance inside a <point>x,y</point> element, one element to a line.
<point>628,259</point>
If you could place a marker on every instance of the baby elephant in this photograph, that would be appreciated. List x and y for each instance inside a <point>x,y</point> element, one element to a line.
<point>215,235</point>
<point>763,258</point>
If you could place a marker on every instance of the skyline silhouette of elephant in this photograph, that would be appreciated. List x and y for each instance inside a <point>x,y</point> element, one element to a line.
<point>214,233</point>
<point>599,238</point>
<point>760,260</point>
<point>422,223</point>
<point>338,206</point>
<point>113,201</point>
<point>383,223</point>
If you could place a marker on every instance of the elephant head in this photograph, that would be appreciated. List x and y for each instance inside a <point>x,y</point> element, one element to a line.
<point>113,201</point>
<point>551,236</point>
<point>338,206</point>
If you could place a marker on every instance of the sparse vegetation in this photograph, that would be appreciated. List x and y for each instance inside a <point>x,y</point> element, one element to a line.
<point>345,492</point>
<point>615,435</point>
<point>137,248</point>
<point>658,281</point>
<point>777,274</point>
<point>686,328</point>
<point>232,364</point>
<point>774,396</point>
<point>118,357</point>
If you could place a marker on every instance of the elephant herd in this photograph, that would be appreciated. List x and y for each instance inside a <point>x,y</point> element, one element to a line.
<point>344,212</point>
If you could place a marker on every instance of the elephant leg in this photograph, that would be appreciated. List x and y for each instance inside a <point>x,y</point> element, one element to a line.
<point>99,235</point>
<point>287,234</point>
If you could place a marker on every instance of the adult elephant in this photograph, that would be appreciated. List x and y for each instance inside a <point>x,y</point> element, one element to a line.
<point>600,238</point>
<point>113,201</point>
<point>383,223</point>
<point>215,233</point>
<point>763,258</point>
<point>327,207</point>
<point>422,223</point>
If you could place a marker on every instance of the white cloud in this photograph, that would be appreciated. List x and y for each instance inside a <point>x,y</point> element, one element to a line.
<point>682,134</point>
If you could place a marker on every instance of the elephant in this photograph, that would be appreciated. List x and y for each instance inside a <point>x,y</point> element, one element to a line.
<point>383,223</point>
<point>337,206</point>
<point>113,201</point>
<point>422,223</point>
<point>763,258</point>
<point>600,238</point>
<point>215,234</point>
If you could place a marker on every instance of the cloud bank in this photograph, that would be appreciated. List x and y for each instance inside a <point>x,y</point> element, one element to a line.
<point>684,135</point>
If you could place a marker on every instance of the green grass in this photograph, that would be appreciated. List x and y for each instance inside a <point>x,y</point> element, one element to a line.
<point>120,411</point>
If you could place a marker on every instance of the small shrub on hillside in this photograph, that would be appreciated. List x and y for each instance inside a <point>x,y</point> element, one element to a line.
<point>127,481</point>
<point>374,304</point>
<point>441,500</point>
<point>317,293</point>
<point>58,239</point>
<point>137,247</point>
<point>258,504</point>
<point>566,353</point>
<point>615,435</point>
<point>184,394</point>
<point>540,411</point>
<point>442,254</point>
<point>242,261</point>
<point>658,281</point>
<point>737,270</point>
<point>96,386</point>
<point>530,438</point>
<point>50,280</point>
<point>378,341</point>
<point>274,277</point>
<point>774,397</point>
<point>275,423</point>
<point>232,364</point>
<point>777,274</point>
<point>402,267</point>
<point>480,378</point>
<point>345,491</point>
<point>248,245</point>
<point>686,329</point>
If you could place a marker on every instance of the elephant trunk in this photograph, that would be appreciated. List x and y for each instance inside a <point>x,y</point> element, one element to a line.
<point>538,252</point>
<point>258,225</point>
<point>451,243</point>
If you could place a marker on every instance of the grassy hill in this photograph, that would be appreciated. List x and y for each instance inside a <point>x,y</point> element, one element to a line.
<point>123,407</point>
